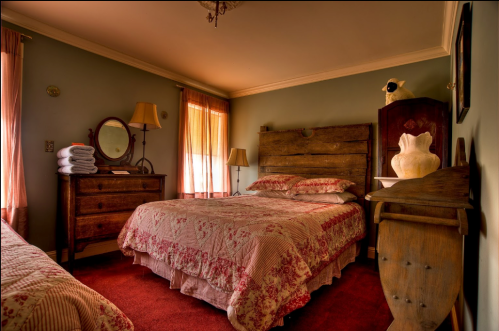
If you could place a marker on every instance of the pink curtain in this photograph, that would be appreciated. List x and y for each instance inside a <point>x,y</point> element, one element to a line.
<point>203,147</point>
<point>14,202</point>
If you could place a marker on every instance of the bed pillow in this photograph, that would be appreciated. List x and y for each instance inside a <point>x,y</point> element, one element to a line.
<point>274,194</point>
<point>337,198</point>
<point>274,183</point>
<point>321,185</point>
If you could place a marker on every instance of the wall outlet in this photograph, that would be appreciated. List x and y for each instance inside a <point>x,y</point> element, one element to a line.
<point>49,146</point>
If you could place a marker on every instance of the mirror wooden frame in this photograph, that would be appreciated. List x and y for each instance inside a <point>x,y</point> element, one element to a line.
<point>125,159</point>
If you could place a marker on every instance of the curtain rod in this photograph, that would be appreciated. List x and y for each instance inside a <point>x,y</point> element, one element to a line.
<point>180,86</point>
<point>26,36</point>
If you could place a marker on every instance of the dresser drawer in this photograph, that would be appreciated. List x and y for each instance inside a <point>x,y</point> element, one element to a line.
<point>118,184</point>
<point>99,225</point>
<point>104,203</point>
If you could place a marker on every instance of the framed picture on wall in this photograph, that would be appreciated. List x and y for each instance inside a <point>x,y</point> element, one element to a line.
<point>463,62</point>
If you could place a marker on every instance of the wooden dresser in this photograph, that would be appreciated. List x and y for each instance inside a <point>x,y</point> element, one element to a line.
<point>94,208</point>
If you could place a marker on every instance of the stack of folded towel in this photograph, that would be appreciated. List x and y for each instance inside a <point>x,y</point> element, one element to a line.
<point>76,160</point>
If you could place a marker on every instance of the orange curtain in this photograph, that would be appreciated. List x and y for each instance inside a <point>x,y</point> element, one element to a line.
<point>203,147</point>
<point>14,203</point>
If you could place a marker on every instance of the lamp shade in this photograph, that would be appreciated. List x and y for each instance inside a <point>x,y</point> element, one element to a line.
<point>237,157</point>
<point>145,113</point>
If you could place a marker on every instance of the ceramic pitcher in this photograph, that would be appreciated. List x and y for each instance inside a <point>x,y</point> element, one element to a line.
<point>415,159</point>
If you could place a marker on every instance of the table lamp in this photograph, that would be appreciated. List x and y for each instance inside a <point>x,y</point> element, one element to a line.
<point>145,116</point>
<point>237,158</point>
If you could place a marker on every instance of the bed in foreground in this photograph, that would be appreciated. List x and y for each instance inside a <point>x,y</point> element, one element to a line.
<point>259,258</point>
<point>37,294</point>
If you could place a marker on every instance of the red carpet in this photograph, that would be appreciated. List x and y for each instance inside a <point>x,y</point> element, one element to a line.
<point>353,302</point>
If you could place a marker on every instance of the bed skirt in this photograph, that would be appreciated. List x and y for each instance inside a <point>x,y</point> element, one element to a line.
<point>200,289</point>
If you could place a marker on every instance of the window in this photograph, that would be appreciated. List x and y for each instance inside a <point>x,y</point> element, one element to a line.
<point>203,149</point>
<point>14,202</point>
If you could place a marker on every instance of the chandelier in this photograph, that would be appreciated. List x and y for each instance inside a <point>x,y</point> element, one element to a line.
<point>218,8</point>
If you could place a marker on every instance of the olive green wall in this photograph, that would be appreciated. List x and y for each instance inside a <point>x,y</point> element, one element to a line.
<point>346,100</point>
<point>480,131</point>
<point>92,88</point>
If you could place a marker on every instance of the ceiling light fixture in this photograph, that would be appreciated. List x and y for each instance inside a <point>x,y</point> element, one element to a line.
<point>219,8</point>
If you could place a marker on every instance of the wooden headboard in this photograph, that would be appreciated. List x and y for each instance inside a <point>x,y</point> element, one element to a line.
<point>333,151</point>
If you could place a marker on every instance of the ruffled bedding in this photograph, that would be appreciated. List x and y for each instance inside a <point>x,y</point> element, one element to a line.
<point>260,251</point>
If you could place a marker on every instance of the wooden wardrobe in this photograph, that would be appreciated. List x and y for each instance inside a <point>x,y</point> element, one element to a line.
<point>412,116</point>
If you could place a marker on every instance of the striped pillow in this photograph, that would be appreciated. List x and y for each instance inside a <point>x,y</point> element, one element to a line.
<point>336,198</point>
<point>321,185</point>
<point>274,183</point>
<point>274,194</point>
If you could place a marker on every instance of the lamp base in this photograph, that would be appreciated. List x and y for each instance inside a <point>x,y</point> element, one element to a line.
<point>236,193</point>
<point>142,170</point>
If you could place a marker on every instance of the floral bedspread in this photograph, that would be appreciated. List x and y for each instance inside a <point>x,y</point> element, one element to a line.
<point>263,249</point>
<point>37,294</point>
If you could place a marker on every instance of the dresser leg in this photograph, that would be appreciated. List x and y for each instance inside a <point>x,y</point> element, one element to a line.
<point>58,255</point>
<point>71,258</point>
<point>376,266</point>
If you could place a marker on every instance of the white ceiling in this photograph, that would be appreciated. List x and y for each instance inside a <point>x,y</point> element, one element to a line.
<point>259,46</point>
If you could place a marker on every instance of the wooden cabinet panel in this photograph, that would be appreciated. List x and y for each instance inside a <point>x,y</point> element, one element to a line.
<point>94,208</point>
<point>105,203</point>
<point>321,135</point>
<point>412,116</point>
<point>100,224</point>
<point>117,184</point>
<point>332,161</point>
<point>312,147</point>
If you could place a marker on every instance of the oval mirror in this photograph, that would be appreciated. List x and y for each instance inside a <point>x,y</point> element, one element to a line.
<point>112,139</point>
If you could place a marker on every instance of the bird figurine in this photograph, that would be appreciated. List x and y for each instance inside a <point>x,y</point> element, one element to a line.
<point>395,91</point>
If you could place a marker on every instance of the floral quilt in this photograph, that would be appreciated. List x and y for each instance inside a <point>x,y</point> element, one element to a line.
<point>37,294</point>
<point>263,250</point>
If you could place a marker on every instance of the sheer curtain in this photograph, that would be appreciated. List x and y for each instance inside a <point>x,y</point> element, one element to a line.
<point>203,147</point>
<point>14,202</point>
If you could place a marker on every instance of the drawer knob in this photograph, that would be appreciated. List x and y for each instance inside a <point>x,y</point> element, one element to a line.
<point>99,186</point>
<point>99,226</point>
<point>144,185</point>
<point>144,201</point>
<point>100,205</point>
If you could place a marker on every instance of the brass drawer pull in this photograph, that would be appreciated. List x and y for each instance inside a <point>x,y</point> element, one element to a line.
<point>99,186</point>
<point>100,205</point>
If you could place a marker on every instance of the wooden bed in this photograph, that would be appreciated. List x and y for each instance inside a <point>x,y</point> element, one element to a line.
<point>260,258</point>
<point>334,151</point>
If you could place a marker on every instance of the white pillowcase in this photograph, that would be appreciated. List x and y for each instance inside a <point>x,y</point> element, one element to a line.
<point>338,198</point>
<point>274,194</point>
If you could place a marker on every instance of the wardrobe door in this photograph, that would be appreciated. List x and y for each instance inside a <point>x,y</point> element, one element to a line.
<point>412,116</point>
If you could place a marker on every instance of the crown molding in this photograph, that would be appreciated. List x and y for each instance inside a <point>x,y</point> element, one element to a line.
<point>48,31</point>
<point>393,61</point>
<point>450,12</point>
